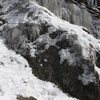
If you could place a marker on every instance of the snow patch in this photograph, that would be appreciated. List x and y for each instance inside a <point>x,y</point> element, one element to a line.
<point>65,55</point>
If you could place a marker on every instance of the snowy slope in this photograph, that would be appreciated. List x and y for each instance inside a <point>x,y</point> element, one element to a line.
<point>16,78</point>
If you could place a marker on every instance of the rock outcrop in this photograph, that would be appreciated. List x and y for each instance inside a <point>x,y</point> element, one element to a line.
<point>56,50</point>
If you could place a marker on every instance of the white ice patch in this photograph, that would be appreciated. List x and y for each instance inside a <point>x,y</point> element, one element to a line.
<point>98,70</point>
<point>87,77</point>
<point>65,55</point>
<point>32,50</point>
<point>45,60</point>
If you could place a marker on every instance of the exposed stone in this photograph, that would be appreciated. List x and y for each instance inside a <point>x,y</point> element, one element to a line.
<point>25,98</point>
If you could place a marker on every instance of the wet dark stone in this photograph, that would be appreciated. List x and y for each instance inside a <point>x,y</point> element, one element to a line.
<point>98,59</point>
<point>25,98</point>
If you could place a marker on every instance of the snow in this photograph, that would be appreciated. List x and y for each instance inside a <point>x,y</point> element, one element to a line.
<point>87,77</point>
<point>16,78</point>
<point>98,70</point>
<point>45,60</point>
<point>32,50</point>
<point>65,55</point>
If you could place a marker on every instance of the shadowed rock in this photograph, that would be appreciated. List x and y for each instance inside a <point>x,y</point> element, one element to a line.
<point>25,98</point>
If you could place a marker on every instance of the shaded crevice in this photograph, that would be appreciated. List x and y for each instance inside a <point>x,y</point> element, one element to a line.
<point>25,98</point>
<point>98,59</point>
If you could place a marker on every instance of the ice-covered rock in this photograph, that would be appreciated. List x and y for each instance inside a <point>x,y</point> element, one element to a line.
<point>56,50</point>
<point>80,12</point>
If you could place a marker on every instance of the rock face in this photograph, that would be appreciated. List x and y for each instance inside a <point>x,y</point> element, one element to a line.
<point>56,50</point>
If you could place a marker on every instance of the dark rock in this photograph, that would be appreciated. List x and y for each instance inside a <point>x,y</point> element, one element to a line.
<point>60,56</point>
<point>25,98</point>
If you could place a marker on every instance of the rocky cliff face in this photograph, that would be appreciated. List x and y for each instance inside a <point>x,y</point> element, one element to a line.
<point>57,51</point>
